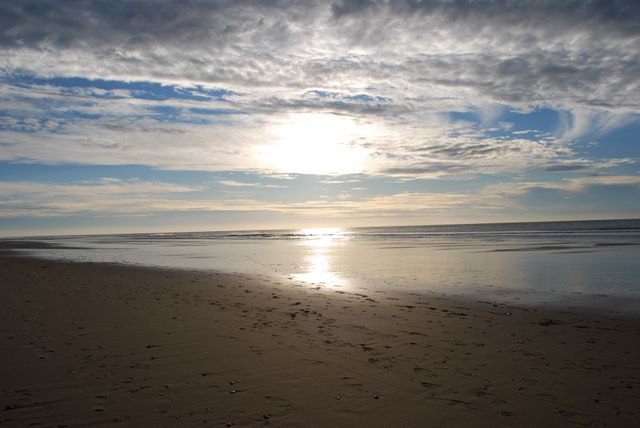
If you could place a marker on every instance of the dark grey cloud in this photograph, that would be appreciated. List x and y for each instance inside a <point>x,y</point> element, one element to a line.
<point>426,169</point>
<point>148,23</point>
<point>616,15</point>
<point>572,166</point>
<point>337,102</point>
<point>397,61</point>
<point>468,150</point>
<point>573,52</point>
<point>145,22</point>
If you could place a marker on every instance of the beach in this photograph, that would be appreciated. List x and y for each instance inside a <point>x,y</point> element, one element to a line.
<point>91,344</point>
<point>345,213</point>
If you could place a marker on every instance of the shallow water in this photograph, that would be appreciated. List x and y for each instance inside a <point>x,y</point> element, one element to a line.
<point>578,263</point>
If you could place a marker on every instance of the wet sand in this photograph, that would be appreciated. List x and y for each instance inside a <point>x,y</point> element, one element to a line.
<point>106,345</point>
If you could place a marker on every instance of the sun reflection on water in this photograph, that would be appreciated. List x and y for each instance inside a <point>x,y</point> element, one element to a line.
<point>317,267</point>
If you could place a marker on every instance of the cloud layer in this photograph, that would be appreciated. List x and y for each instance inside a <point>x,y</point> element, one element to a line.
<point>400,63</point>
<point>518,91</point>
<point>569,52</point>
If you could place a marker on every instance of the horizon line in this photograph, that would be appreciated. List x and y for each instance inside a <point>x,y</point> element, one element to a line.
<point>307,227</point>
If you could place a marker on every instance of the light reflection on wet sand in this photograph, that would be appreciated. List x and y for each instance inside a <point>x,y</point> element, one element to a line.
<point>318,267</point>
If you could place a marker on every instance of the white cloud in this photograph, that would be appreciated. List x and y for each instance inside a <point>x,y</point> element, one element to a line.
<point>401,65</point>
<point>572,185</point>
<point>234,183</point>
<point>584,120</point>
<point>110,197</point>
<point>114,197</point>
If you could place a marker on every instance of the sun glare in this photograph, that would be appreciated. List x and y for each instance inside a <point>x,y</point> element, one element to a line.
<point>317,267</point>
<point>324,144</point>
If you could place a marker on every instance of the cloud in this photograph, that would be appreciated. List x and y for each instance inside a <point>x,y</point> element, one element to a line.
<point>105,196</point>
<point>586,165</point>
<point>582,121</point>
<point>115,197</point>
<point>516,51</point>
<point>571,185</point>
<point>105,185</point>
<point>340,181</point>
<point>48,124</point>
<point>234,183</point>
<point>110,197</point>
<point>199,85</point>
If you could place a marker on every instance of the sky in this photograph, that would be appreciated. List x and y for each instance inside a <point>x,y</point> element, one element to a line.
<point>140,116</point>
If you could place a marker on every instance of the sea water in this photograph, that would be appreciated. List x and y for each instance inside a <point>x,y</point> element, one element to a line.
<point>575,262</point>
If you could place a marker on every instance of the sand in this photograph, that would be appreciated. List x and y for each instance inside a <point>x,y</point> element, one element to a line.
<point>107,345</point>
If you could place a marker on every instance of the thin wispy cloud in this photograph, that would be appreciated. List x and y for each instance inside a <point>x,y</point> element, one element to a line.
<point>234,183</point>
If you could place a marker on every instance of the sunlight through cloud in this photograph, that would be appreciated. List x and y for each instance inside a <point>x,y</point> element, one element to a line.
<point>317,143</point>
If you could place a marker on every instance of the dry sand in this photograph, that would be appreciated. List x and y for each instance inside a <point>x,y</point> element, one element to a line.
<point>108,345</point>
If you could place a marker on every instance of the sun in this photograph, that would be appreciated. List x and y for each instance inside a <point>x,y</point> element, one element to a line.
<point>317,143</point>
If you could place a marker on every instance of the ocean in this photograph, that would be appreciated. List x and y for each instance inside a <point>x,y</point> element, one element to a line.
<point>575,263</point>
